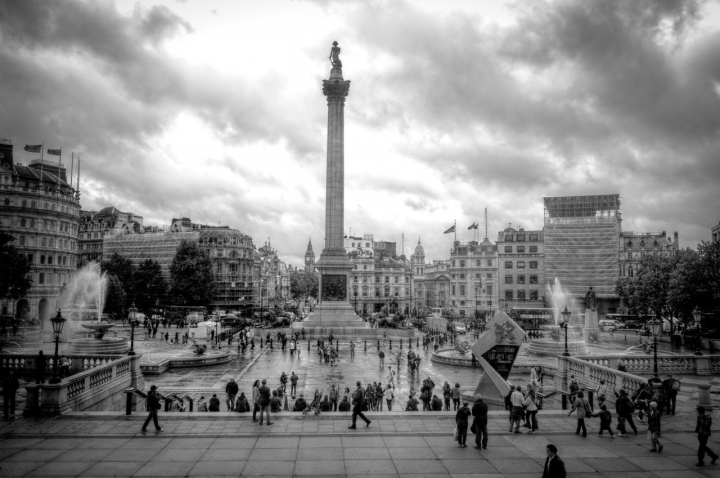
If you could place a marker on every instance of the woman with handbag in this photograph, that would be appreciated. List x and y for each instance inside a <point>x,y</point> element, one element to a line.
<point>583,409</point>
<point>531,410</point>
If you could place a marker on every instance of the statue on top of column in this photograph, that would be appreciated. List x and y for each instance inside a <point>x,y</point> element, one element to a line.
<point>591,300</point>
<point>335,56</point>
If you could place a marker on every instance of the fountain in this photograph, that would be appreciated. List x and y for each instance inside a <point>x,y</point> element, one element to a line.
<point>83,303</point>
<point>560,298</point>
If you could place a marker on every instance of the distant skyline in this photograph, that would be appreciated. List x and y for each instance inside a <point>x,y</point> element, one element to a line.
<point>214,110</point>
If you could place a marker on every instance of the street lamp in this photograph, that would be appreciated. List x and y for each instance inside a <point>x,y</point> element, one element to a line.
<point>655,328</point>
<point>564,325</point>
<point>697,317</point>
<point>57,324</point>
<point>132,317</point>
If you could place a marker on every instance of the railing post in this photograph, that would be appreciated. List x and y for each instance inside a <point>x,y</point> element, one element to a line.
<point>701,364</point>
<point>32,399</point>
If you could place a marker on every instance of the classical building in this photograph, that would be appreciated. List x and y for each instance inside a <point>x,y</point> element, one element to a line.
<point>636,245</point>
<point>715,233</point>
<point>581,236</point>
<point>473,270</point>
<point>379,280</point>
<point>521,268</point>
<point>41,210</point>
<point>309,258</point>
<point>95,225</point>
<point>274,277</point>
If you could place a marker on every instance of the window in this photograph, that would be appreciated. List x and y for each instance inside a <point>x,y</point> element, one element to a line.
<point>477,276</point>
<point>462,276</point>
<point>533,279</point>
<point>453,289</point>
<point>377,292</point>
<point>30,258</point>
<point>520,279</point>
<point>453,262</point>
<point>462,289</point>
<point>462,263</point>
<point>533,248</point>
<point>521,237</point>
<point>508,265</point>
<point>534,295</point>
<point>44,241</point>
<point>489,303</point>
<point>24,203</point>
<point>365,280</point>
<point>521,249</point>
<point>508,279</point>
<point>489,262</point>
<point>42,259</point>
<point>508,238</point>
<point>477,263</point>
<point>364,292</point>
<point>397,279</point>
<point>489,289</point>
<point>533,265</point>
<point>42,278</point>
<point>22,240</point>
<point>23,223</point>
<point>534,237</point>
<point>508,248</point>
<point>521,295</point>
<point>367,244</point>
<point>521,264</point>
<point>355,279</point>
<point>387,279</point>
<point>489,276</point>
<point>508,295</point>
<point>365,268</point>
<point>377,279</point>
<point>49,260</point>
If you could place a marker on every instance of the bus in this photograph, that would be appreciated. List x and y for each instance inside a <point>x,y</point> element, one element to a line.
<point>179,312</point>
<point>532,318</point>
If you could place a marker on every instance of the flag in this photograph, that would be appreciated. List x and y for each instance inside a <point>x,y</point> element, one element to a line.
<point>452,229</point>
<point>37,148</point>
<point>473,226</point>
<point>54,152</point>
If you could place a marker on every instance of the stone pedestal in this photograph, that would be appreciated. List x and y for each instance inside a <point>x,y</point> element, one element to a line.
<point>591,325</point>
<point>704,396</point>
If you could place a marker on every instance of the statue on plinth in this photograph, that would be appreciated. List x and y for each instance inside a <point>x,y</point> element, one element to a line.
<point>590,300</point>
<point>335,55</point>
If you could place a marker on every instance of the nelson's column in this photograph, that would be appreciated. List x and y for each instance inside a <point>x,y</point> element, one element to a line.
<point>334,309</point>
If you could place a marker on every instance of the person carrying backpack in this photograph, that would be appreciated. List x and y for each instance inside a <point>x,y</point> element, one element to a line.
<point>671,387</point>
<point>389,397</point>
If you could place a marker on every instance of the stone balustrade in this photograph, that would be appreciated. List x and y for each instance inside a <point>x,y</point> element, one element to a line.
<point>98,388</point>
<point>685,364</point>
<point>25,365</point>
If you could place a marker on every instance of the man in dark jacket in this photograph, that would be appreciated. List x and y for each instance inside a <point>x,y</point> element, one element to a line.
<point>480,412</point>
<point>300,404</point>
<point>325,405</point>
<point>275,402</point>
<point>554,466</point>
<point>231,390</point>
<point>668,386</point>
<point>624,408</point>
<point>461,420</point>
<point>703,429</point>
<point>437,404</point>
<point>241,404</point>
<point>358,401</point>
<point>214,404</point>
<point>412,404</point>
<point>264,402</point>
<point>153,405</point>
<point>10,386</point>
<point>40,366</point>
<point>344,405</point>
<point>293,383</point>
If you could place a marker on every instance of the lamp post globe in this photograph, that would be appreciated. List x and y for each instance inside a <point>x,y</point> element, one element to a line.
<point>697,318</point>
<point>655,328</point>
<point>58,322</point>
<point>565,322</point>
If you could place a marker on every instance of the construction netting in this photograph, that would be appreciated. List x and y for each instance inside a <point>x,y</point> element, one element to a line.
<point>160,247</point>
<point>583,253</point>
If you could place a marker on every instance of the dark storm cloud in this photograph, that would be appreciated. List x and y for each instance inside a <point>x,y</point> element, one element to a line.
<point>571,98</point>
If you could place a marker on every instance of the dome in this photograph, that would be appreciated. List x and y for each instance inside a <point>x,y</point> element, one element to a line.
<point>419,251</point>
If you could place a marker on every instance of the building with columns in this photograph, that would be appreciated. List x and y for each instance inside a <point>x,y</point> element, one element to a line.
<point>473,277</point>
<point>40,209</point>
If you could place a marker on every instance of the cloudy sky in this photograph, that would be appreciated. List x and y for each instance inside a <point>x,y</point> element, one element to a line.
<point>214,110</point>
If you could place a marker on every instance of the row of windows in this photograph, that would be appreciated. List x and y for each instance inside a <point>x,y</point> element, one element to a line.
<point>489,303</point>
<point>522,237</point>
<point>43,205</point>
<point>92,235</point>
<point>520,279</point>
<point>521,249</point>
<point>478,262</point>
<point>521,264</point>
<point>48,225</point>
<point>50,260</point>
<point>396,279</point>
<point>359,244</point>
<point>381,293</point>
<point>477,276</point>
<point>49,278</point>
<point>521,295</point>
<point>50,242</point>
<point>488,289</point>
<point>227,240</point>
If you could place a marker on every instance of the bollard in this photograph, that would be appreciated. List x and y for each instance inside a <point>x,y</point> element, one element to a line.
<point>365,344</point>
<point>390,344</point>
<point>261,342</point>
<point>308,344</point>
<point>417,344</point>
<point>704,396</point>
<point>128,400</point>
<point>564,401</point>
<point>378,344</point>
<point>337,345</point>
<point>401,342</point>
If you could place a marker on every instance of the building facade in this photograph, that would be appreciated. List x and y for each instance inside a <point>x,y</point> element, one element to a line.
<point>634,246</point>
<point>715,233</point>
<point>274,277</point>
<point>309,258</point>
<point>521,268</point>
<point>40,209</point>
<point>473,269</point>
<point>378,281</point>
<point>95,225</point>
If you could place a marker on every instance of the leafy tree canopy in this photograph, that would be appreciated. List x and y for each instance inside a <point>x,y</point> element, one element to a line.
<point>150,285</point>
<point>191,274</point>
<point>303,284</point>
<point>115,299</point>
<point>14,270</point>
<point>123,269</point>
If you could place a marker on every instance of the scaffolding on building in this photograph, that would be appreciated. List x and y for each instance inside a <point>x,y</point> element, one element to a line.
<point>582,236</point>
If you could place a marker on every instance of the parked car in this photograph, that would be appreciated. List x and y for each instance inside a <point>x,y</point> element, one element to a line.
<point>607,325</point>
<point>460,328</point>
<point>633,324</point>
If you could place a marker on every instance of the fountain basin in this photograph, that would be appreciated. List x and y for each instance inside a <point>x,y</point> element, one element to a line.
<point>450,356</point>
<point>99,328</point>
<point>93,346</point>
<point>159,363</point>
<point>552,347</point>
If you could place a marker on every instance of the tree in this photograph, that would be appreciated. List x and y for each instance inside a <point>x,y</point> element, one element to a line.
<point>150,285</point>
<point>191,274</point>
<point>303,284</point>
<point>115,298</point>
<point>14,270</point>
<point>123,269</point>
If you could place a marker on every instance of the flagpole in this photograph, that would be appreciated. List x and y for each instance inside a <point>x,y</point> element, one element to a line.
<point>455,231</point>
<point>72,167</point>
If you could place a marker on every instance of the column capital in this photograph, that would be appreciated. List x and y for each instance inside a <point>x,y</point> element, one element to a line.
<point>336,88</point>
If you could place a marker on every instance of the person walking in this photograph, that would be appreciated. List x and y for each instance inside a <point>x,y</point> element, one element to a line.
<point>455,394</point>
<point>703,430</point>
<point>231,390</point>
<point>358,401</point>
<point>389,397</point>
<point>256,399</point>
<point>264,402</point>
<point>517,401</point>
<point>654,428</point>
<point>574,389</point>
<point>379,396</point>
<point>605,421</point>
<point>624,408</point>
<point>461,421</point>
<point>40,365</point>
<point>10,386</point>
<point>670,386</point>
<point>391,376</point>
<point>352,348</point>
<point>293,384</point>
<point>152,404</point>
<point>554,466</point>
<point>583,409</point>
<point>334,398</point>
<point>447,391</point>
<point>480,412</point>
<point>600,392</point>
<point>531,410</point>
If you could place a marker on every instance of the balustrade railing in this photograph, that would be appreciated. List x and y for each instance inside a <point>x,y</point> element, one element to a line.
<point>26,364</point>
